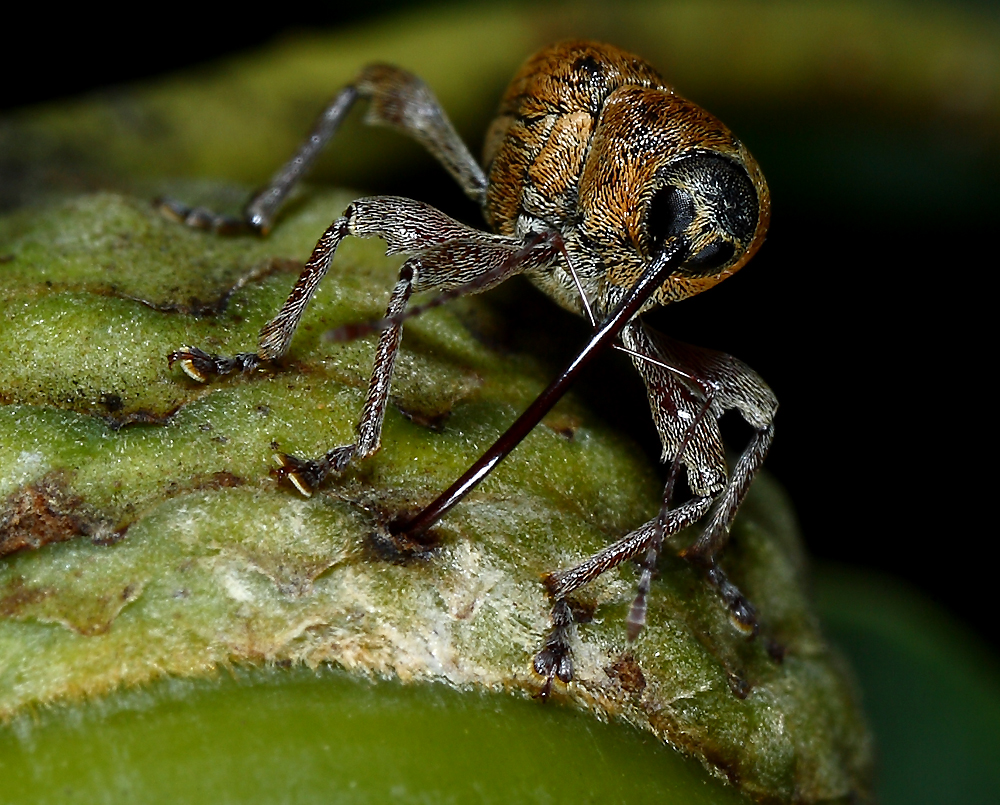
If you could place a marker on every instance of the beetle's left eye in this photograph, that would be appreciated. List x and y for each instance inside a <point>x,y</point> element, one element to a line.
<point>670,213</point>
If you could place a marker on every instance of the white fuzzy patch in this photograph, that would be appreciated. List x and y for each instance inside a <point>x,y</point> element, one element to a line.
<point>234,586</point>
<point>28,465</point>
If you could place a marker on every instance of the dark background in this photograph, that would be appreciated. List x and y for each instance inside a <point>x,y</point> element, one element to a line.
<point>861,310</point>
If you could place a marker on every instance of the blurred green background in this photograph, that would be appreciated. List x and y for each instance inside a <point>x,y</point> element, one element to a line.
<point>877,126</point>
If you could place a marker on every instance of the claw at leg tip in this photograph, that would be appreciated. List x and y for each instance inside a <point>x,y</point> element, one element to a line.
<point>285,463</point>
<point>189,369</point>
<point>301,485</point>
<point>747,629</point>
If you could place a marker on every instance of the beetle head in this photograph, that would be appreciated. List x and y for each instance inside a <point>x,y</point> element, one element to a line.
<point>659,168</point>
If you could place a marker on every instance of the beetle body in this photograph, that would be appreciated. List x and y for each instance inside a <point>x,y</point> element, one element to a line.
<point>613,194</point>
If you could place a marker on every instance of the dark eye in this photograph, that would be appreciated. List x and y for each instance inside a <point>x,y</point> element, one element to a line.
<point>712,257</point>
<point>713,193</point>
<point>669,214</point>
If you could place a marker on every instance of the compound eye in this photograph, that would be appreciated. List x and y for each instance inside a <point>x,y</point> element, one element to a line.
<point>670,213</point>
<point>709,199</point>
<point>712,257</point>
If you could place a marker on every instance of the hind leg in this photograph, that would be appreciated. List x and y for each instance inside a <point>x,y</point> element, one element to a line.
<point>397,99</point>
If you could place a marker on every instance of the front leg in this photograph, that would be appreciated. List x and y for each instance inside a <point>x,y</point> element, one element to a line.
<point>730,385</point>
<point>705,550</point>
<point>554,660</point>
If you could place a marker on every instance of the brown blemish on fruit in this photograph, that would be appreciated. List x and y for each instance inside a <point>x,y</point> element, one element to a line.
<point>85,614</point>
<point>138,416</point>
<point>627,673</point>
<point>213,480</point>
<point>43,512</point>
<point>18,597</point>
<point>221,480</point>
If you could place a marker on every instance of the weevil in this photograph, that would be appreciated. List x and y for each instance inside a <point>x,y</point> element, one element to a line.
<point>613,195</point>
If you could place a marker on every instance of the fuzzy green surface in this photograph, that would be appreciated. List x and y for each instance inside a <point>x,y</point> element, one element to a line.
<point>193,558</point>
